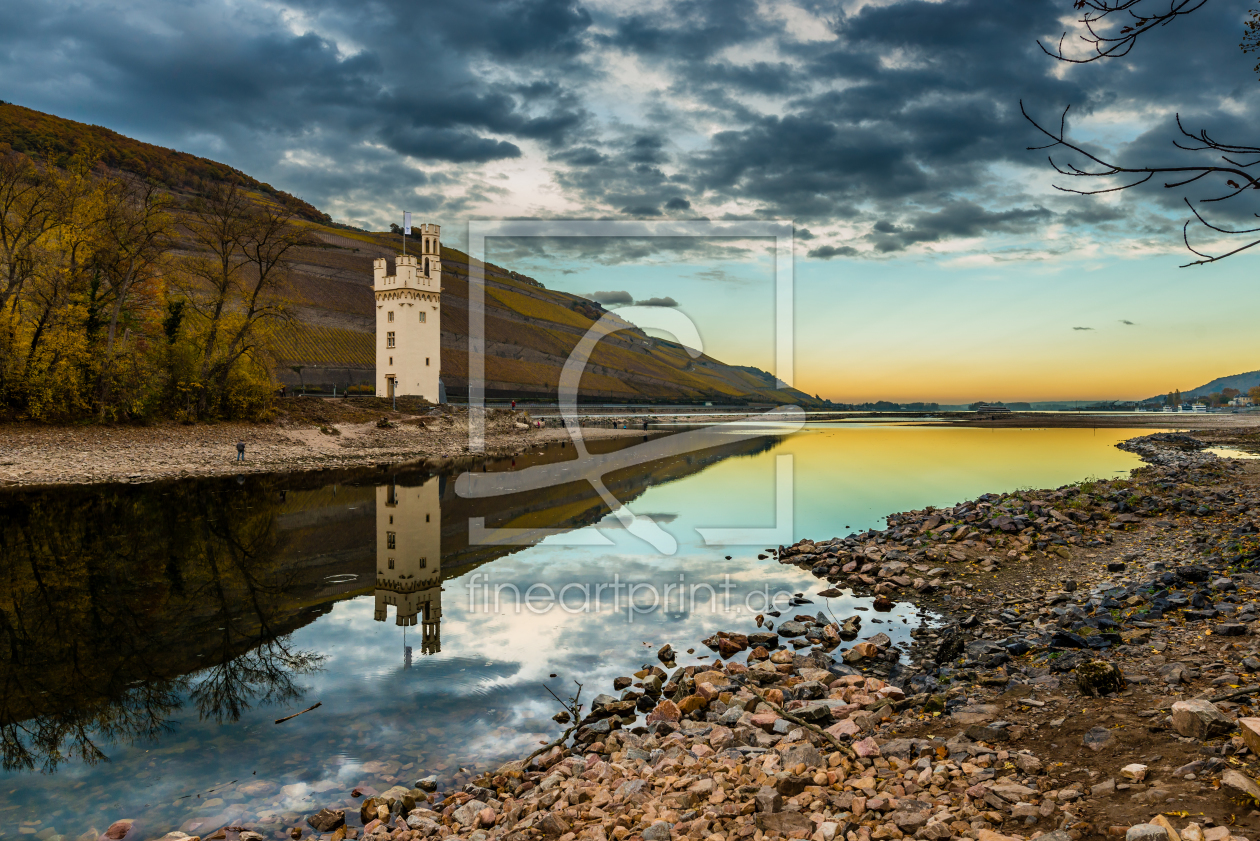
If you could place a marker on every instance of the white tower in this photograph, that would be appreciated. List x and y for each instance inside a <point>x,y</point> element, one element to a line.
<point>409,559</point>
<point>409,319</point>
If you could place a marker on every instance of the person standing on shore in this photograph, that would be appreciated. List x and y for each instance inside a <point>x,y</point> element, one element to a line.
<point>240,450</point>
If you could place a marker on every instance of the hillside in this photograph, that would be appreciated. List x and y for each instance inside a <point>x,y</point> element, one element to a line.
<point>45,136</point>
<point>530,329</point>
<point>1242,382</point>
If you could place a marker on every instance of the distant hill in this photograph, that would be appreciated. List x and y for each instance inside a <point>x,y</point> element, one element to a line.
<point>530,329</point>
<point>1242,382</point>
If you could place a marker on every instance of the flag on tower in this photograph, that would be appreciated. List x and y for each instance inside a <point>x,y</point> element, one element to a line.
<point>406,221</point>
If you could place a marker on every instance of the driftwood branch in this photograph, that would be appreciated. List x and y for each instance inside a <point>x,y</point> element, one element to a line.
<point>813,728</point>
<point>1234,693</point>
<point>573,708</point>
<point>295,715</point>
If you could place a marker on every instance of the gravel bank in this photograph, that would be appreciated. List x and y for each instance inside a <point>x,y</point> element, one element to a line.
<point>43,455</point>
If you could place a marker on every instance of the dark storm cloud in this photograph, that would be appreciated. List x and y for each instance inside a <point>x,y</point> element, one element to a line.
<point>827,252</point>
<point>900,121</point>
<point>958,219</point>
<point>618,296</point>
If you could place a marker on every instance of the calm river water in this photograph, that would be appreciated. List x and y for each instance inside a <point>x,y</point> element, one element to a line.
<point>153,634</point>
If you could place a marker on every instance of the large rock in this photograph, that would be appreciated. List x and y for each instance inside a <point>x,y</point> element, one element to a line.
<point>372,808</point>
<point>861,651</point>
<point>1250,728</point>
<point>1146,832</point>
<point>552,825</point>
<point>1239,786</point>
<point>469,815</point>
<point>911,815</point>
<point>1098,739</point>
<point>1160,820</point>
<point>801,752</point>
<point>425,826</point>
<point>768,801</point>
<point>117,830</point>
<point>326,820</point>
<point>792,628</point>
<point>1098,678</point>
<point>659,831</point>
<point>1199,719</point>
<point>785,823</point>
<point>665,711</point>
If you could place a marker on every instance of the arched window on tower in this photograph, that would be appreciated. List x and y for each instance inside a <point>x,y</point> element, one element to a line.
<point>426,266</point>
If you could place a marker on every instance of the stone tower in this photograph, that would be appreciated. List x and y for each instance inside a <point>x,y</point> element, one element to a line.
<point>409,559</point>
<point>409,319</point>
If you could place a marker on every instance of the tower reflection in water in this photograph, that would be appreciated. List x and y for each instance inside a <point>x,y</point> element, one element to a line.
<point>409,560</point>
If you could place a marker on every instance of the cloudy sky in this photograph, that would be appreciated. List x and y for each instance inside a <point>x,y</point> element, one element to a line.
<point>933,258</point>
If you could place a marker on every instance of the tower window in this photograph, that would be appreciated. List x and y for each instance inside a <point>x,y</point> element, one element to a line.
<point>391,563</point>
<point>389,339</point>
<point>426,518</point>
<point>426,360</point>
<point>391,540</point>
<point>424,562</point>
<point>422,316</point>
<point>391,360</point>
<point>391,316</point>
<point>426,266</point>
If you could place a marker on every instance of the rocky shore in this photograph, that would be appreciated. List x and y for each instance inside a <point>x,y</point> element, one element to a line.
<point>1088,670</point>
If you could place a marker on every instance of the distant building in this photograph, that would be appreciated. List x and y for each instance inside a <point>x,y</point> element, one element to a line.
<point>409,559</point>
<point>992,409</point>
<point>409,320</point>
<point>1241,400</point>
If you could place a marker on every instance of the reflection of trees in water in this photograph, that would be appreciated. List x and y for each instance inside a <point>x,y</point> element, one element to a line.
<point>264,675</point>
<point>120,604</point>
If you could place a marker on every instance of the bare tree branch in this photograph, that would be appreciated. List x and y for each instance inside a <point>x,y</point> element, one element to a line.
<point>1182,175</point>
<point>1136,19</point>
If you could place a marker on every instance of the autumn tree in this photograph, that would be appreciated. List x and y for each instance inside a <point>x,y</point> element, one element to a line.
<point>30,207</point>
<point>127,272</point>
<point>235,284</point>
<point>52,237</point>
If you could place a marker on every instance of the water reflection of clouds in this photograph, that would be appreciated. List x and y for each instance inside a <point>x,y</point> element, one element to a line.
<point>480,698</point>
